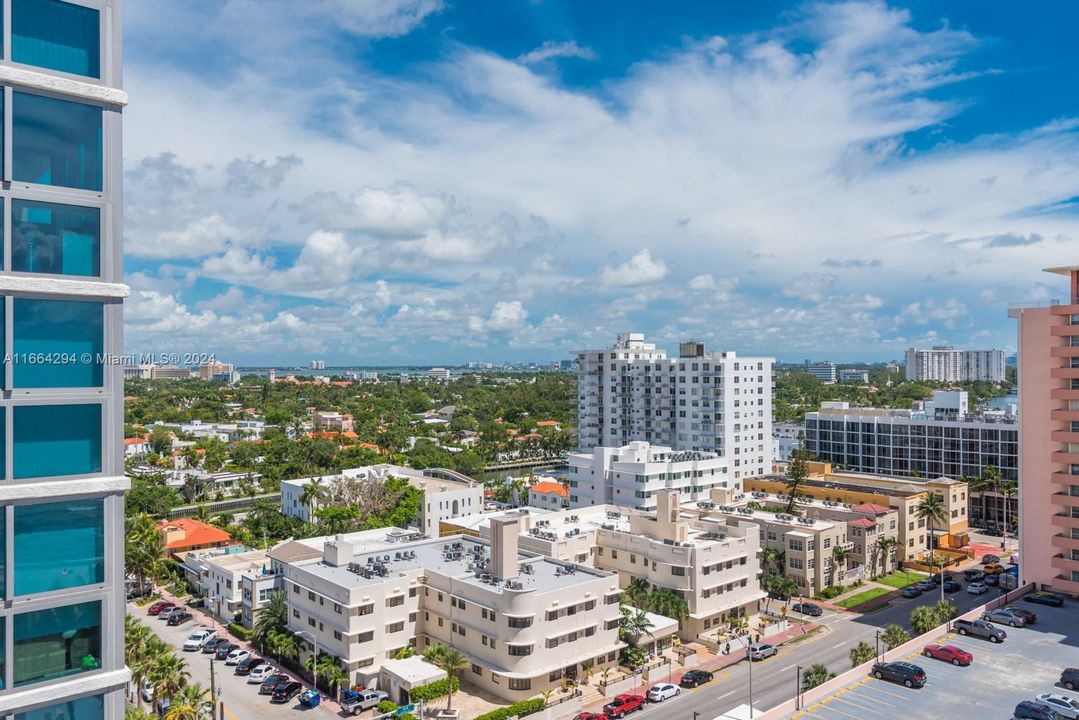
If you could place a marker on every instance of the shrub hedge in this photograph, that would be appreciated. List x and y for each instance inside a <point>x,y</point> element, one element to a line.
<point>437,689</point>
<point>240,631</point>
<point>517,709</point>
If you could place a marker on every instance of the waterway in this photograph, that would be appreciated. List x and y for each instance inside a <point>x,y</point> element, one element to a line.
<point>1002,402</point>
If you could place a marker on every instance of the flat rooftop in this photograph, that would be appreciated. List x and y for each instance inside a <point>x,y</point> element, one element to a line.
<point>461,557</point>
<point>990,687</point>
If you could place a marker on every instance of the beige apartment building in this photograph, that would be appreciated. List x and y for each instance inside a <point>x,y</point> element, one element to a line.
<point>715,570</point>
<point>902,494</point>
<point>523,621</point>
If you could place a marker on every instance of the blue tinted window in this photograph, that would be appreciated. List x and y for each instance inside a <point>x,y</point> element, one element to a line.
<point>53,238</point>
<point>51,644</point>
<point>58,343</point>
<point>87,708</point>
<point>56,35</point>
<point>56,142</point>
<point>59,545</point>
<point>56,440</point>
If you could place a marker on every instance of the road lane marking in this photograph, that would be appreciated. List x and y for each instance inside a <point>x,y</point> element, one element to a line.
<point>789,667</point>
<point>732,692</point>
<point>839,645</point>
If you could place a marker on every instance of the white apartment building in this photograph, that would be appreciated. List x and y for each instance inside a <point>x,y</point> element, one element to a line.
<point>715,572</point>
<point>631,476</point>
<point>523,621</point>
<point>943,363</point>
<point>217,574</point>
<point>939,439</point>
<point>853,375</point>
<point>823,371</point>
<point>439,373</point>
<point>707,401</point>
<point>333,421</point>
<point>443,498</point>
<point>786,436</point>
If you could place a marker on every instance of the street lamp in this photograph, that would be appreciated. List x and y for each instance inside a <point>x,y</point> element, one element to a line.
<point>314,663</point>
<point>798,687</point>
<point>878,646</point>
<point>749,656</point>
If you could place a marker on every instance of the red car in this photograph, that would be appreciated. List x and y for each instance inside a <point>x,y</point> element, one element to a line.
<point>159,607</point>
<point>588,716</point>
<point>948,653</point>
<point>623,704</point>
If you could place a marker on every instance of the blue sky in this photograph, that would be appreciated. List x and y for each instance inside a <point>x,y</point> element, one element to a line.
<point>421,181</point>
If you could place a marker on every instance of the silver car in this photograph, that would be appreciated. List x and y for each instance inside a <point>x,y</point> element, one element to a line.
<point>760,651</point>
<point>1004,616</point>
<point>1065,706</point>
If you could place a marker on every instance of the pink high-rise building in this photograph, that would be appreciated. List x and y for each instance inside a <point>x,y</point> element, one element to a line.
<point>1049,440</point>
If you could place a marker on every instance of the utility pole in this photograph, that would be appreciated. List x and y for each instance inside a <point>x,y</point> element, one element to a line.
<point>798,687</point>
<point>213,688</point>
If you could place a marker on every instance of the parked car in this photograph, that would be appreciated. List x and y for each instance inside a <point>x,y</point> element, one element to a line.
<point>623,704</point>
<point>244,667</point>
<point>662,691</point>
<point>937,578</point>
<point>760,651</point>
<point>908,674</point>
<point>1045,598</point>
<point>977,588</point>
<point>993,569</point>
<point>179,618</point>
<point>211,647</point>
<point>925,585</point>
<point>159,607</point>
<point>237,656</point>
<point>270,684</point>
<point>695,678</point>
<point>1004,616</point>
<point>224,650</point>
<point>588,716</point>
<point>948,653</point>
<point>811,609</point>
<point>973,575</point>
<point>979,628</point>
<point>169,612</point>
<point>993,580</point>
<point>356,701</point>
<point>1064,706</point>
<point>284,693</point>
<point>912,591</point>
<point>1027,615</point>
<point>260,673</point>
<point>148,691</point>
<point>1069,678</point>
<point>1031,710</point>
<point>951,586</point>
<point>990,559</point>
<point>196,639</point>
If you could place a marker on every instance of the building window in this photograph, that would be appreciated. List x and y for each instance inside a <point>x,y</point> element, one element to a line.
<point>52,440</point>
<point>55,239</point>
<point>56,142</point>
<point>520,683</point>
<point>56,35</point>
<point>519,622</point>
<point>87,708</point>
<point>520,650</point>
<point>365,609</point>
<point>477,670</point>
<point>55,643</point>
<point>395,601</point>
<point>336,634</point>
<point>395,627</point>
<point>366,636</point>
<point>53,340</point>
<point>366,662</point>
<point>59,545</point>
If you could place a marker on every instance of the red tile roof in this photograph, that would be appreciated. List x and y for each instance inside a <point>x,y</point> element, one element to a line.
<point>195,533</point>
<point>863,523</point>
<point>870,508</point>
<point>548,423</point>
<point>547,487</point>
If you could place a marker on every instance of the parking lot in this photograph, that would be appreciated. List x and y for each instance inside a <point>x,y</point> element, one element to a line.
<point>1025,665</point>
<point>242,700</point>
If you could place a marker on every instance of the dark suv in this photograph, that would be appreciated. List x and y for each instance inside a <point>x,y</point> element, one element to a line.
<point>695,677</point>
<point>901,672</point>
<point>1031,710</point>
<point>1069,678</point>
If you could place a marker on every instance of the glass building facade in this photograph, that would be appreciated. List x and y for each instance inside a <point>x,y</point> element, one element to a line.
<point>61,305</point>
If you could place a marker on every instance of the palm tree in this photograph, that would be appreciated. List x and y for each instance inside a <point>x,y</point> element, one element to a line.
<point>931,509</point>
<point>449,660</point>
<point>169,675</point>
<point>272,617</point>
<point>283,644</point>
<point>188,703</point>
<point>202,514</point>
<point>988,482</point>
<point>861,653</point>
<point>634,623</point>
<point>840,555</point>
<point>923,619</point>
<point>816,674</point>
<point>945,611</point>
<point>886,546</point>
<point>636,592</point>
<point>143,546</point>
<point>894,636</point>
<point>312,492</point>
<point>1008,490</point>
<point>769,555</point>
<point>335,677</point>
<point>665,601</point>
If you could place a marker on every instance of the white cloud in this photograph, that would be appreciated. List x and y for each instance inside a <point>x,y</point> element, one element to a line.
<point>551,50</point>
<point>506,316</point>
<point>641,269</point>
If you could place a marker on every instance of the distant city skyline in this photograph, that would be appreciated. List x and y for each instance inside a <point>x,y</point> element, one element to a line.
<point>425,182</point>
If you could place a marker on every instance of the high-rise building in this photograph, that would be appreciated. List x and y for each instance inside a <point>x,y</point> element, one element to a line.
<point>712,401</point>
<point>943,363</point>
<point>853,375</point>
<point>62,494</point>
<point>1049,437</point>
<point>214,370</point>
<point>823,371</point>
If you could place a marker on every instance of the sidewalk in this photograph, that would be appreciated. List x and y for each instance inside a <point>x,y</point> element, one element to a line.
<point>204,618</point>
<point>717,662</point>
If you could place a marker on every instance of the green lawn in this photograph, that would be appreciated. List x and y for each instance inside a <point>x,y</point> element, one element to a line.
<point>901,578</point>
<point>862,597</point>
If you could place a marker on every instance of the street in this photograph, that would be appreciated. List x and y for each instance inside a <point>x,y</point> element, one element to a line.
<point>775,679</point>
